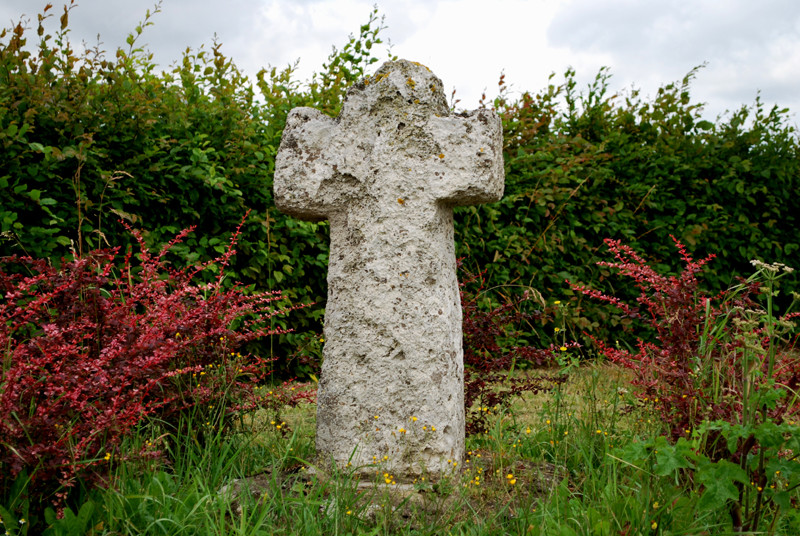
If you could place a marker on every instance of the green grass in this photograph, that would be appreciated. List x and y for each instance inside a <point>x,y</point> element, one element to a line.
<point>552,464</point>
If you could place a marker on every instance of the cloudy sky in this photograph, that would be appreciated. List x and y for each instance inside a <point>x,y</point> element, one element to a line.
<point>747,45</point>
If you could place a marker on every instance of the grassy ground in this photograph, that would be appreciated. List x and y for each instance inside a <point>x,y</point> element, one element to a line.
<point>552,464</point>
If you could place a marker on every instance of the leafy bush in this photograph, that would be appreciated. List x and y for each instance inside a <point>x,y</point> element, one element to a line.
<point>91,348</point>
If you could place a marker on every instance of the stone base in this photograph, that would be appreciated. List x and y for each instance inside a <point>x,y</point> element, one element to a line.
<point>374,495</point>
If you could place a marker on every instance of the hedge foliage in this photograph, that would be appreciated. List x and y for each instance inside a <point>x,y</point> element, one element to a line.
<point>89,141</point>
<point>585,166</point>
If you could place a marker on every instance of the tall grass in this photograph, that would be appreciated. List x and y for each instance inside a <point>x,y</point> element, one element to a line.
<point>553,465</point>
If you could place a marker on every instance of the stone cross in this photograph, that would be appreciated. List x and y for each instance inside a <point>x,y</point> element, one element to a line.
<point>387,173</point>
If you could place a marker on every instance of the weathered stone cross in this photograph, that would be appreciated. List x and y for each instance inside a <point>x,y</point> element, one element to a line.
<point>387,173</point>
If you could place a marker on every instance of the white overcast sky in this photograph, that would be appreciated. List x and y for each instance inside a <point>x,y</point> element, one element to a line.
<point>748,45</point>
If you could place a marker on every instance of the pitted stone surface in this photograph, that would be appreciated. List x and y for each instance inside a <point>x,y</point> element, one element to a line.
<point>386,173</point>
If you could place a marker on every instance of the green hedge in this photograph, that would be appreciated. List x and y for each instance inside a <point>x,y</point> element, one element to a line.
<point>89,142</point>
<point>584,167</point>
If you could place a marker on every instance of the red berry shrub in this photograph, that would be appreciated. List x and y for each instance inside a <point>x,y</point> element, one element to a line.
<point>491,350</point>
<point>708,355</point>
<point>89,349</point>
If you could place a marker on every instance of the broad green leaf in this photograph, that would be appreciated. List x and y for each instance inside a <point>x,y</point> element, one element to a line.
<point>669,460</point>
<point>783,499</point>
<point>719,480</point>
<point>716,495</point>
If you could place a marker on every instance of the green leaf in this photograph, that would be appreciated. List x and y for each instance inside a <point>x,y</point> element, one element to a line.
<point>783,499</point>
<point>716,495</point>
<point>84,517</point>
<point>7,518</point>
<point>719,480</point>
<point>772,435</point>
<point>564,530</point>
<point>671,458</point>
<point>50,516</point>
<point>668,461</point>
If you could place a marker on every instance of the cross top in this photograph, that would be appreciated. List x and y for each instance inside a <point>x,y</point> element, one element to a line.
<point>386,173</point>
<point>394,133</point>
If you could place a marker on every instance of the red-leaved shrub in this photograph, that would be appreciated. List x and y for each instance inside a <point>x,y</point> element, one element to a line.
<point>709,355</point>
<point>90,348</point>
<point>491,351</point>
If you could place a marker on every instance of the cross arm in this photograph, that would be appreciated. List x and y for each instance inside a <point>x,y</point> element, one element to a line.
<point>473,159</point>
<point>302,164</point>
